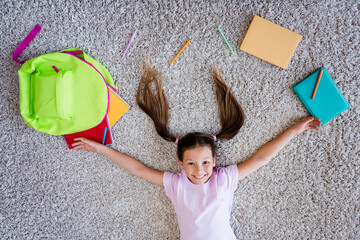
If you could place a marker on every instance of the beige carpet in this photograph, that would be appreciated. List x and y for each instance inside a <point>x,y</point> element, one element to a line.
<point>309,191</point>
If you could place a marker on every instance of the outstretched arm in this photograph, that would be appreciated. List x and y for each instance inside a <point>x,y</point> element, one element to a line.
<point>270,149</point>
<point>128,163</point>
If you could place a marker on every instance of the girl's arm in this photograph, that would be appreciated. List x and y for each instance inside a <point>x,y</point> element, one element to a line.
<point>270,149</point>
<point>128,163</point>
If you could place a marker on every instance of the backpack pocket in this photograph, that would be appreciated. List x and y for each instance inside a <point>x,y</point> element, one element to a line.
<point>42,94</point>
<point>52,94</point>
<point>64,94</point>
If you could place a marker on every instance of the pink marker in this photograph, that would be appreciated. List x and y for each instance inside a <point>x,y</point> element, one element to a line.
<point>128,46</point>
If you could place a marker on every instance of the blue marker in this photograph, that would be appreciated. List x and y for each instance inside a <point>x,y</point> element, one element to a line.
<point>104,136</point>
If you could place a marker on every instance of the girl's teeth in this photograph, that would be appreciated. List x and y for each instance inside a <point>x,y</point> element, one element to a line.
<point>199,177</point>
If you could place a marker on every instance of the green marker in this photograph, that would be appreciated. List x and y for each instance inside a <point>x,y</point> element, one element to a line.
<point>222,34</point>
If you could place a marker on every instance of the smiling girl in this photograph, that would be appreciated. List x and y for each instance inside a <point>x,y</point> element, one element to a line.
<point>201,193</point>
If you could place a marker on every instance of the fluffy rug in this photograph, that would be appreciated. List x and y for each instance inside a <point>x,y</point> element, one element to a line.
<point>310,190</point>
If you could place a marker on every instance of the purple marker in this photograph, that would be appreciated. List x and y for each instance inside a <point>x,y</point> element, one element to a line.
<point>128,46</point>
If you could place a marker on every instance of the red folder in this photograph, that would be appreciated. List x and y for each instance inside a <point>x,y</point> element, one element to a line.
<point>96,133</point>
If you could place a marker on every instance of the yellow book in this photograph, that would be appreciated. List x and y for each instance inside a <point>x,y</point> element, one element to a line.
<point>270,42</point>
<point>117,107</point>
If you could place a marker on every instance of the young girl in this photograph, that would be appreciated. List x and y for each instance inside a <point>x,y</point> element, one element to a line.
<point>202,193</point>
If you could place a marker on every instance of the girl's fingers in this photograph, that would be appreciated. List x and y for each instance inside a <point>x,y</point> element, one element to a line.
<point>308,119</point>
<point>316,122</point>
<point>76,144</point>
<point>78,139</point>
<point>313,121</point>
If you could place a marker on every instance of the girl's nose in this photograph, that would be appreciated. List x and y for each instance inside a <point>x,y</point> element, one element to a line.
<point>198,168</point>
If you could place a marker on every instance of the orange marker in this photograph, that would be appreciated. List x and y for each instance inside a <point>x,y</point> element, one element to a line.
<point>317,84</point>
<point>180,51</point>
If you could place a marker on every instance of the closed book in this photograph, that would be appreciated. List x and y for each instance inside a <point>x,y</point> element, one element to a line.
<point>117,107</point>
<point>96,133</point>
<point>270,42</point>
<point>328,101</point>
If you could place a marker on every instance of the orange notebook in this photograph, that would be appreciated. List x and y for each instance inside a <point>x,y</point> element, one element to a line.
<point>270,42</point>
<point>117,107</point>
<point>96,133</point>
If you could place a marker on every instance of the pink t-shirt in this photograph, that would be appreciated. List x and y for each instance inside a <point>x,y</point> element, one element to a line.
<point>203,211</point>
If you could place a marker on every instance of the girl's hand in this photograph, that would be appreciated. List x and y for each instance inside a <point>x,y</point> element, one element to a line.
<point>86,144</point>
<point>306,124</point>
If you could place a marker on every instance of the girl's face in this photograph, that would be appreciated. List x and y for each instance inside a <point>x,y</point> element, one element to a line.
<point>198,164</point>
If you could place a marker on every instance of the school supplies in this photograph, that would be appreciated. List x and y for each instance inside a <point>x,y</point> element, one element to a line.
<point>317,83</point>
<point>130,41</point>
<point>117,107</point>
<point>180,52</point>
<point>97,133</point>
<point>226,41</point>
<point>329,101</point>
<point>63,92</point>
<point>102,132</point>
<point>270,42</point>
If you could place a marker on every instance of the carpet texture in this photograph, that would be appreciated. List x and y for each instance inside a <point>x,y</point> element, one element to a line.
<point>310,190</point>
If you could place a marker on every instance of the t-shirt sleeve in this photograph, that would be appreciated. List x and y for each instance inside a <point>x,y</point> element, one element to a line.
<point>230,176</point>
<point>234,175</point>
<point>169,181</point>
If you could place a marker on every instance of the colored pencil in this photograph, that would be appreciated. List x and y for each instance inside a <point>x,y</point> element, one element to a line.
<point>104,136</point>
<point>130,41</point>
<point>227,43</point>
<point>317,84</point>
<point>180,51</point>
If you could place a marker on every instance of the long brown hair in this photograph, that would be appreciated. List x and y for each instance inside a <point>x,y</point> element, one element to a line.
<point>155,105</point>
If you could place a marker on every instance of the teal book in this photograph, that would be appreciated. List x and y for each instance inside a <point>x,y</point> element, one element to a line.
<point>328,101</point>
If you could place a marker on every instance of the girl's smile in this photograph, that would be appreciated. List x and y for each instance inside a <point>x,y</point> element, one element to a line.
<point>198,164</point>
<point>199,177</point>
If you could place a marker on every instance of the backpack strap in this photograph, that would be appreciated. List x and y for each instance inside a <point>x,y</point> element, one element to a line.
<point>74,52</point>
<point>25,43</point>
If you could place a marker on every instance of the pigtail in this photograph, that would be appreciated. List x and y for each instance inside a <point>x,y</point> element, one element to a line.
<point>231,114</point>
<point>155,105</point>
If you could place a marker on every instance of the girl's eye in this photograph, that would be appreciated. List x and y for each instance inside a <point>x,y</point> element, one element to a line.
<point>190,163</point>
<point>206,162</point>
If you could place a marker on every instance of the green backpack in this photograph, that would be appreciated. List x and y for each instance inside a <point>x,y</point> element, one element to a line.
<point>63,92</point>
